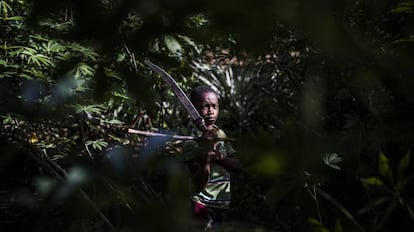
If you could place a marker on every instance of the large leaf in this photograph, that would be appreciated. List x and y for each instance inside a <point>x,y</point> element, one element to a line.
<point>332,160</point>
<point>384,168</point>
<point>404,164</point>
<point>371,205</point>
<point>172,44</point>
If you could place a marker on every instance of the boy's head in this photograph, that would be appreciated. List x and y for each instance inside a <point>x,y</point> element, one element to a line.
<point>205,100</point>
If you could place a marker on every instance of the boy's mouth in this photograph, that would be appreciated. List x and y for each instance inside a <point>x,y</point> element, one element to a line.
<point>210,120</point>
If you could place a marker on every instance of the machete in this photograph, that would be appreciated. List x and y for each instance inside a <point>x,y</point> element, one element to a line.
<point>148,133</point>
<point>188,105</point>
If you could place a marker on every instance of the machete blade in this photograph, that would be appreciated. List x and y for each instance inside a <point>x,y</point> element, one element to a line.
<point>188,105</point>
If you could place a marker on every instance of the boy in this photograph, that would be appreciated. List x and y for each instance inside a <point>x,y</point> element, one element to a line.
<point>210,161</point>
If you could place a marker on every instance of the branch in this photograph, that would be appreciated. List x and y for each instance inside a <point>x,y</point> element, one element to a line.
<point>55,168</point>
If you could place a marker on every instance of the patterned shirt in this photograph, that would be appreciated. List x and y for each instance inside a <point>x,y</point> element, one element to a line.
<point>217,191</point>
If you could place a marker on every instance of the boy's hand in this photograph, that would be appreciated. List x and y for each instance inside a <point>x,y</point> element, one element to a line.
<point>210,135</point>
<point>207,144</point>
<point>214,155</point>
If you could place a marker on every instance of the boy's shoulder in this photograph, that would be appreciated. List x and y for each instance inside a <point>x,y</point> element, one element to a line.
<point>220,132</point>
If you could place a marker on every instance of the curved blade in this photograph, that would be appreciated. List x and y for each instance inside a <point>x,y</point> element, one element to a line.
<point>199,121</point>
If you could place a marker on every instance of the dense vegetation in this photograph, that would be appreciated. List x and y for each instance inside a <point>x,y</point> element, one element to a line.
<point>317,93</point>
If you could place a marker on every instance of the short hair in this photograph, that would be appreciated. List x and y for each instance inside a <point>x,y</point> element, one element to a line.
<point>198,91</point>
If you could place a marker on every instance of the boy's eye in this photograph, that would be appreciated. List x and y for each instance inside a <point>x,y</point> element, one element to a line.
<point>208,106</point>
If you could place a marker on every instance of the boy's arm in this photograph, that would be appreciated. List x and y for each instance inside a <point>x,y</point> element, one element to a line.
<point>200,169</point>
<point>198,162</point>
<point>200,173</point>
<point>230,163</point>
<point>201,155</point>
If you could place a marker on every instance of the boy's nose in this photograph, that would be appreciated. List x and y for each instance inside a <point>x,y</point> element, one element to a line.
<point>210,110</point>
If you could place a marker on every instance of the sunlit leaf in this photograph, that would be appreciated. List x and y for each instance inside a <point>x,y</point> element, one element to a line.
<point>404,7</point>
<point>197,21</point>
<point>317,226</point>
<point>190,42</point>
<point>7,119</point>
<point>45,145</point>
<point>332,160</point>
<point>121,95</point>
<point>84,70</point>
<point>52,46</point>
<point>7,47</point>
<point>112,122</point>
<point>89,109</point>
<point>39,37</point>
<point>373,181</point>
<point>13,18</point>
<point>4,8</point>
<point>40,60</point>
<point>384,168</point>
<point>33,138</point>
<point>99,144</point>
<point>112,73</point>
<point>87,52</point>
<point>172,44</point>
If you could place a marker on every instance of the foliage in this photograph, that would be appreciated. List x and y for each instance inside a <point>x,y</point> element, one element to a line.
<point>318,95</point>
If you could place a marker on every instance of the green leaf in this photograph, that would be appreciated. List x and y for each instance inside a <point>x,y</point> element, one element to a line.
<point>403,164</point>
<point>27,51</point>
<point>384,166</point>
<point>84,70</point>
<point>332,159</point>
<point>190,42</point>
<point>7,47</point>
<point>317,225</point>
<point>197,21</point>
<point>87,52</point>
<point>3,62</point>
<point>94,108</point>
<point>372,181</point>
<point>373,204</point>
<point>404,7</point>
<point>338,226</point>
<point>120,95</point>
<point>405,40</point>
<point>40,60</point>
<point>112,73</point>
<point>4,8</point>
<point>26,76</point>
<point>112,122</point>
<point>172,44</point>
<point>120,57</point>
<point>97,144</point>
<point>52,46</point>
<point>7,119</point>
<point>44,145</point>
<point>351,121</point>
<point>13,18</point>
<point>403,182</point>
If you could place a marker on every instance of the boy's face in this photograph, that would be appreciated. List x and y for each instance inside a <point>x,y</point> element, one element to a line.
<point>208,107</point>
